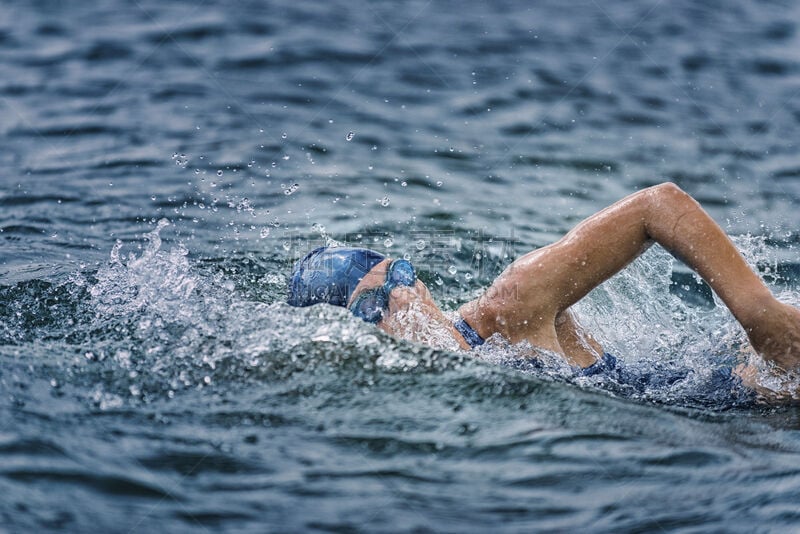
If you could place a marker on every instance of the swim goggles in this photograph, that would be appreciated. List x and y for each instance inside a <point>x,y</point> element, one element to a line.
<point>371,304</point>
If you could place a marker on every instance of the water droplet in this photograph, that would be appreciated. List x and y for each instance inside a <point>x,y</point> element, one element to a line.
<point>438,281</point>
<point>180,160</point>
<point>219,172</point>
<point>404,184</point>
<point>286,246</point>
<point>421,244</point>
<point>274,279</point>
<point>468,276</point>
<point>350,136</point>
<point>388,242</point>
<point>291,189</point>
<point>383,201</point>
<point>439,183</point>
<point>284,135</point>
<point>452,269</point>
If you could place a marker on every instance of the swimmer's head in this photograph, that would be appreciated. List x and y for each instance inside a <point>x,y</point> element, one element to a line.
<point>330,275</point>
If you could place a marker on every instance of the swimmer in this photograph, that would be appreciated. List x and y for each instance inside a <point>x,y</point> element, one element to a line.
<point>531,299</point>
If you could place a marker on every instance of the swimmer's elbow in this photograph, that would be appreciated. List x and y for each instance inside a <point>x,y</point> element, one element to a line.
<point>667,188</point>
<point>668,194</point>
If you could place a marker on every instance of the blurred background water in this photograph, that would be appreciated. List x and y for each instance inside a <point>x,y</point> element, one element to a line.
<point>163,164</point>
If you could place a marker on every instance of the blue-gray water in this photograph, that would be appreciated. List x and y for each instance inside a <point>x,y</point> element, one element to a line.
<point>151,377</point>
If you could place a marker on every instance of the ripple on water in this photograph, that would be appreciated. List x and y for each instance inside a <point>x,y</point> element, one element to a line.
<point>167,382</point>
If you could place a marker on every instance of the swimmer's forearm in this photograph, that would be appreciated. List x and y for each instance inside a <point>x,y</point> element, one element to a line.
<point>689,233</point>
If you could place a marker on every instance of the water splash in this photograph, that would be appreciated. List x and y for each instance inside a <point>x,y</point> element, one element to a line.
<point>173,326</point>
<point>156,323</point>
<point>323,233</point>
<point>637,317</point>
<point>158,280</point>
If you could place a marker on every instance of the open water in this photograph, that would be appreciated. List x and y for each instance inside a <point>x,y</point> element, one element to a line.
<point>163,163</point>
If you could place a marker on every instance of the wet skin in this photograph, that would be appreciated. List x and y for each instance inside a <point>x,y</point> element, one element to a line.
<point>401,298</point>
<point>530,301</point>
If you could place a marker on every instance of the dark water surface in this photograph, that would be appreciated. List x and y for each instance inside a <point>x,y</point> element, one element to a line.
<point>163,163</point>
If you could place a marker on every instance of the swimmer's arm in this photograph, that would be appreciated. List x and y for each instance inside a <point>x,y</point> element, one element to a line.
<point>606,242</point>
<point>537,287</point>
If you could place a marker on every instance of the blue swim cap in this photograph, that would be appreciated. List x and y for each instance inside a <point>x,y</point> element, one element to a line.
<point>330,275</point>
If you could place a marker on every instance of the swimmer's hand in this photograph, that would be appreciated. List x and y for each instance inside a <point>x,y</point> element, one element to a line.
<point>775,335</point>
<point>414,315</point>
